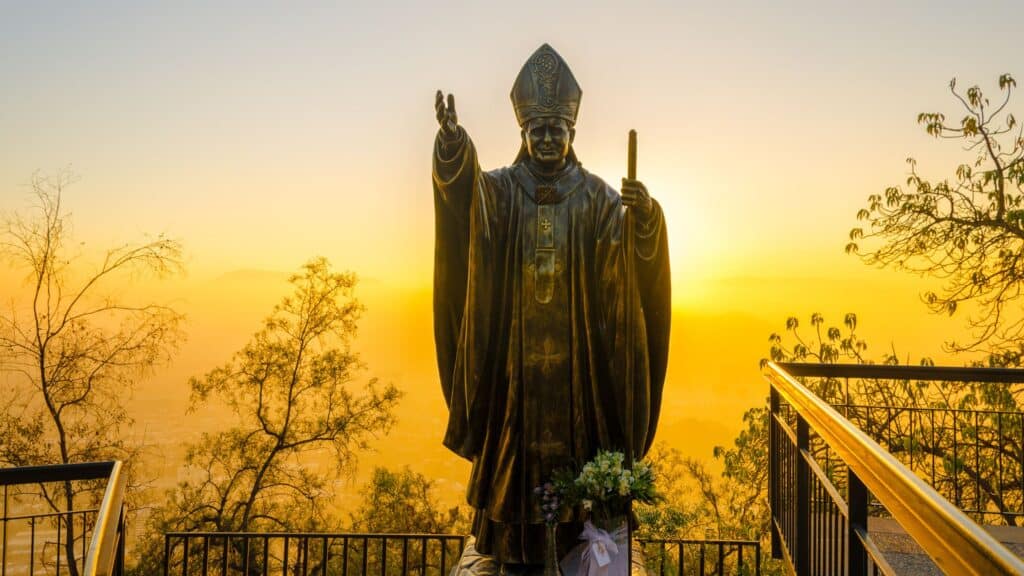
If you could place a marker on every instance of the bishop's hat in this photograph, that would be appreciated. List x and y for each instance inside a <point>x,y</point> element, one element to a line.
<point>546,87</point>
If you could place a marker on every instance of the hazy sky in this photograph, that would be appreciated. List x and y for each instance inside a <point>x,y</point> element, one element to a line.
<point>264,133</point>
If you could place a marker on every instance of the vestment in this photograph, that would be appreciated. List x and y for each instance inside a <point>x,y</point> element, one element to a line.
<point>529,325</point>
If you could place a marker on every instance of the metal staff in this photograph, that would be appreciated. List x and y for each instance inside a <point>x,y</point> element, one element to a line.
<point>630,289</point>
<point>629,321</point>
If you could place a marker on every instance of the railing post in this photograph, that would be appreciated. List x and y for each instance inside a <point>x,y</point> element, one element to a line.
<point>857,519</point>
<point>803,498</point>
<point>3,560</point>
<point>121,537</point>
<point>773,472</point>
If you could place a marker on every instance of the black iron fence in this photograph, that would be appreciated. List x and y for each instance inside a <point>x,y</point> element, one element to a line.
<point>351,554</point>
<point>686,557</point>
<point>961,429</point>
<point>309,554</point>
<point>825,472</point>
<point>38,536</point>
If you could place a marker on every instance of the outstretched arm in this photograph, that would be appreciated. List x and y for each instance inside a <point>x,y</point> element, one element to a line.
<point>456,179</point>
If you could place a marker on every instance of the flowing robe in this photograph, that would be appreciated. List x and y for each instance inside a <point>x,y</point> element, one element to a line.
<point>530,329</point>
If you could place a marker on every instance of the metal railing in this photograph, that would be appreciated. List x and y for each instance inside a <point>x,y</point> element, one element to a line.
<point>86,542</point>
<point>961,429</point>
<point>309,554</point>
<point>820,515</point>
<point>678,557</point>
<point>355,554</point>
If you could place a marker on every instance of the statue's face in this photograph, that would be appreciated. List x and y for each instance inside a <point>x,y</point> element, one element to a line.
<point>548,140</point>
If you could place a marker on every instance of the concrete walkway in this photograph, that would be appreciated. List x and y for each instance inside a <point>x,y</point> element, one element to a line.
<point>906,557</point>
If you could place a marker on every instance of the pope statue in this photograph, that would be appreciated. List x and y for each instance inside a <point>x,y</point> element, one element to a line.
<point>538,311</point>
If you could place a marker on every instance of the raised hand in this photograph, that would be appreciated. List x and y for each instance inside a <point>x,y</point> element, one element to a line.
<point>446,115</point>
<point>636,197</point>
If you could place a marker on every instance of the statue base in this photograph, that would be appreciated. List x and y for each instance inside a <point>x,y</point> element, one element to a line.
<point>473,563</point>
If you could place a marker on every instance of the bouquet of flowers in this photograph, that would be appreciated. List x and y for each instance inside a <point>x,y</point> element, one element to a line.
<point>604,489</point>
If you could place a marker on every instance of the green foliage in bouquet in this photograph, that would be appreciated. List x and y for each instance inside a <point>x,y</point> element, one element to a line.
<point>604,487</point>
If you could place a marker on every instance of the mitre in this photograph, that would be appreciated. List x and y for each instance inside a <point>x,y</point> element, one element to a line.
<point>546,87</point>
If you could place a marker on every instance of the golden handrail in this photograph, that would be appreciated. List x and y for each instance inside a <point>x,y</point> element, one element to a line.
<point>955,543</point>
<point>107,534</point>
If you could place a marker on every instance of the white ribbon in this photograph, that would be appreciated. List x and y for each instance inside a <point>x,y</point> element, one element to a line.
<point>601,551</point>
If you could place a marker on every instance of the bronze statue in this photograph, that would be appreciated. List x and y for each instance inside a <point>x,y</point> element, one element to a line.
<point>532,312</point>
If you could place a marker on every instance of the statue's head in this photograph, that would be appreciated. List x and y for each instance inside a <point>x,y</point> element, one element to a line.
<point>548,140</point>
<point>546,99</point>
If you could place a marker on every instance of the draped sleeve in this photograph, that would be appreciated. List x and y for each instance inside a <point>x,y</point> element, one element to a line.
<point>456,173</point>
<point>654,291</point>
<point>468,276</point>
<point>651,305</point>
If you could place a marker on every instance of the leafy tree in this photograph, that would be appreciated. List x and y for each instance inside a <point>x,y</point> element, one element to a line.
<point>699,505</point>
<point>681,513</point>
<point>72,349</point>
<point>969,232</point>
<point>296,402</point>
<point>403,501</point>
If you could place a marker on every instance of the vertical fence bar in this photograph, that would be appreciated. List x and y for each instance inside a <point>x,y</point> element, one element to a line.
<point>224,557</point>
<point>821,537</point>
<point>366,548</point>
<point>405,556</point>
<point>344,556</point>
<point>911,450</point>
<point>325,557</point>
<point>246,552</point>
<point>977,467</point>
<point>57,571</point>
<point>857,519</point>
<point>122,538</point>
<point>206,555</point>
<point>284,562</point>
<point>803,499</point>
<point>167,555</point>
<point>773,472</point>
<point>184,557</point>
<point>956,465</point>
<point>266,556</point>
<point>935,445</point>
<point>999,452</point>
<point>661,557</point>
<point>3,559</point>
<point>82,515</point>
<point>31,547</point>
<point>444,555</point>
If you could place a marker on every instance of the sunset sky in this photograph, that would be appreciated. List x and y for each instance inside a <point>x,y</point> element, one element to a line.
<point>261,134</point>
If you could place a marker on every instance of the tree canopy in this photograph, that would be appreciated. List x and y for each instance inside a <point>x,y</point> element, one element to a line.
<point>967,231</point>
<point>301,410</point>
<point>73,347</point>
